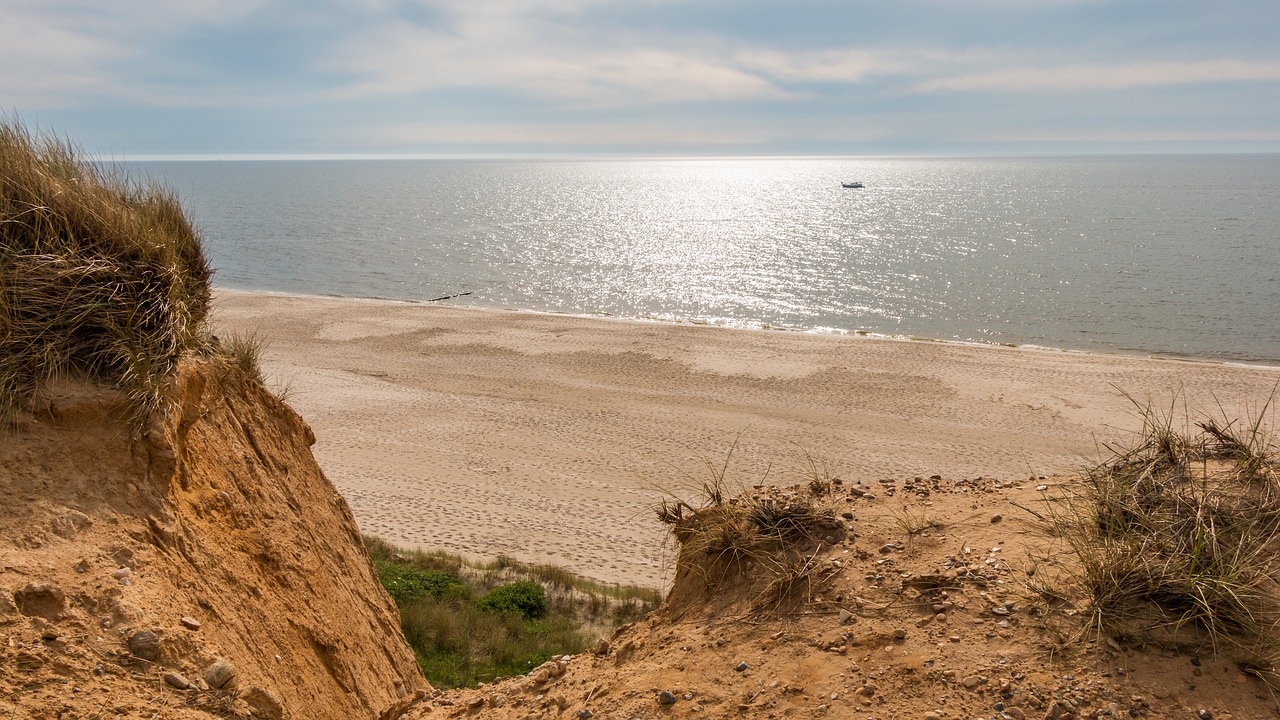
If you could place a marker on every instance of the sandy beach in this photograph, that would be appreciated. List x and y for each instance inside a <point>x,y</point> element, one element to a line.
<point>548,437</point>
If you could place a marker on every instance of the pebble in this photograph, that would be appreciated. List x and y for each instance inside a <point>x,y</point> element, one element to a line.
<point>931,715</point>
<point>1057,711</point>
<point>845,616</point>
<point>900,634</point>
<point>122,574</point>
<point>190,623</point>
<point>971,681</point>
<point>742,666</point>
<point>176,680</point>
<point>220,674</point>
<point>1204,714</point>
<point>666,697</point>
<point>584,714</point>
<point>144,644</point>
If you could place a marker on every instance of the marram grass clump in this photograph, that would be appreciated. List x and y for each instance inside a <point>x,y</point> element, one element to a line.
<point>100,277</point>
<point>1178,540</point>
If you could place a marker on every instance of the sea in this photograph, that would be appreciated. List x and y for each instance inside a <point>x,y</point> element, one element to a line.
<point>1164,255</point>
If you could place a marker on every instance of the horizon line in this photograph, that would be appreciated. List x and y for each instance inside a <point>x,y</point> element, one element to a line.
<point>311,157</point>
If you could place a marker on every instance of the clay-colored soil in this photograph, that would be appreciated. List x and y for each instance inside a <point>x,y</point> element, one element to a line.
<point>949,620</point>
<point>215,532</point>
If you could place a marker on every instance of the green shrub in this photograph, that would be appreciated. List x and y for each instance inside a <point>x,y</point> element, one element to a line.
<point>461,645</point>
<point>459,642</point>
<point>522,597</point>
<point>408,585</point>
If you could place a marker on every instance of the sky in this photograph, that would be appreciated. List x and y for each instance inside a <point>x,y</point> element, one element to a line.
<point>141,79</point>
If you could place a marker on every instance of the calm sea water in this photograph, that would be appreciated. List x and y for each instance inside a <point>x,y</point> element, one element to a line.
<point>1168,255</point>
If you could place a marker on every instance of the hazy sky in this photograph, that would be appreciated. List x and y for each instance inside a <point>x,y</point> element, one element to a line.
<point>133,78</point>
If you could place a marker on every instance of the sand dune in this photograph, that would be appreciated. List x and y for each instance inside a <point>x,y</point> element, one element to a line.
<point>548,437</point>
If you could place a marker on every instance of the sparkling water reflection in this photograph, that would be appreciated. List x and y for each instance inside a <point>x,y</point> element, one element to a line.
<point>1163,254</point>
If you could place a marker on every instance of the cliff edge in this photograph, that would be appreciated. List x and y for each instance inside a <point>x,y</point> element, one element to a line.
<point>203,566</point>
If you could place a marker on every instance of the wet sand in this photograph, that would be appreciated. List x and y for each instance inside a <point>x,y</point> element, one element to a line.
<point>549,437</point>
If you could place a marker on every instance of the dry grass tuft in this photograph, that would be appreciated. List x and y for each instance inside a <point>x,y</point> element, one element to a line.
<point>100,277</point>
<point>1178,539</point>
<point>765,545</point>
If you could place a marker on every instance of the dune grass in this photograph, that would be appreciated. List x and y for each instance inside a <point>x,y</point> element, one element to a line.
<point>470,622</point>
<point>100,277</point>
<point>1177,538</point>
<point>763,545</point>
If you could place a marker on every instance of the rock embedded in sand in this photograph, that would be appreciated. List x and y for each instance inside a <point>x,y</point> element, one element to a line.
<point>144,644</point>
<point>267,706</point>
<point>189,623</point>
<point>220,674</point>
<point>176,680</point>
<point>666,697</point>
<point>40,600</point>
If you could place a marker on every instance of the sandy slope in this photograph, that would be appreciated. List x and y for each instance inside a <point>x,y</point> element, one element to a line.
<point>215,535</point>
<point>547,437</point>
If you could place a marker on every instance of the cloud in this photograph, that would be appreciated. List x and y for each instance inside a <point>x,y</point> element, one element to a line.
<point>617,133</point>
<point>539,58</point>
<point>56,66</point>
<point>73,52</point>
<point>605,72</point>
<point>838,65</point>
<point>1099,76</point>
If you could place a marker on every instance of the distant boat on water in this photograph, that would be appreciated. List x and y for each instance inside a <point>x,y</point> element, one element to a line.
<point>854,184</point>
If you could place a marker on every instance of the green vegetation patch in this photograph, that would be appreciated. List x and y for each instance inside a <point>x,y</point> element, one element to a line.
<point>471,622</point>
<point>407,584</point>
<point>522,597</point>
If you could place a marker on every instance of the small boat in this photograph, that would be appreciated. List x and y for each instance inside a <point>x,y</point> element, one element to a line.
<point>854,184</point>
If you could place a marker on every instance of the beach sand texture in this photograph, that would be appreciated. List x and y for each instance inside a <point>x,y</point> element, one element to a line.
<point>549,437</point>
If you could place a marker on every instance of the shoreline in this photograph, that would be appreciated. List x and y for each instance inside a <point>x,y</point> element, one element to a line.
<point>820,332</point>
<point>548,436</point>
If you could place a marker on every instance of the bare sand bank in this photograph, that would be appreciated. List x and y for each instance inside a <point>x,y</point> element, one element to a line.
<point>548,437</point>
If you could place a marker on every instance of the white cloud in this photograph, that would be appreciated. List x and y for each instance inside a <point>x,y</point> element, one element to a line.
<point>61,53</point>
<point>848,66</point>
<point>46,67</point>
<point>540,58</point>
<point>1100,76</point>
<point>585,134</point>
